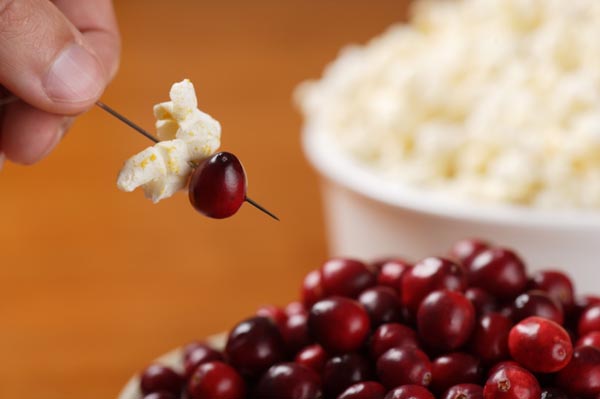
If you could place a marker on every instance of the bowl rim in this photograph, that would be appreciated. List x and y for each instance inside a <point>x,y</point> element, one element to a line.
<point>329,160</point>
<point>173,359</point>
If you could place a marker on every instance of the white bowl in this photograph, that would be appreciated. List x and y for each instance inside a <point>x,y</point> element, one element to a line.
<point>172,359</point>
<point>367,217</point>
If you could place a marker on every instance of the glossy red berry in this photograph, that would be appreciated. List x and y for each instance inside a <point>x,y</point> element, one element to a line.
<point>445,320</point>
<point>512,382</point>
<point>499,271</point>
<point>389,273</point>
<point>464,251</point>
<point>216,380</point>
<point>254,345</point>
<point>195,356</point>
<point>556,284</point>
<point>364,390</point>
<point>581,377</point>
<point>294,307</point>
<point>464,391</point>
<point>482,301</point>
<point>295,332</point>
<point>553,393</point>
<point>540,345</point>
<point>289,381</point>
<point>339,324</point>
<point>489,341</point>
<point>590,339</point>
<point>589,320</point>
<point>382,304</point>
<point>391,335</point>
<point>218,186</point>
<point>313,357</point>
<point>159,378</point>
<point>275,313</point>
<point>312,288</point>
<point>406,365</point>
<point>346,277</point>
<point>452,369</point>
<point>537,303</point>
<point>340,372</point>
<point>409,391</point>
<point>430,274</point>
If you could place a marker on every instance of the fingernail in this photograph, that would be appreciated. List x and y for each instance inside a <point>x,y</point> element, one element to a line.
<point>75,76</point>
<point>2,157</point>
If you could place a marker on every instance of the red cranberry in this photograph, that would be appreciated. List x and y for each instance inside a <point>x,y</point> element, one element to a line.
<point>540,345</point>
<point>454,368</point>
<point>289,381</point>
<point>553,393</point>
<point>382,305</point>
<point>218,186</point>
<point>580,305</point>
<point>512,383</point>
<point>295,307</point>
<point>274,313</point>
<point>499,271</point>
<point>590,339</point>
<point>445,320</point>
<point>216,380</point>
<point>489,341</point>
<point>341,372</point>
<point>160,395</point>
<point>364,390</point>
<point>201,353</point>
<point>159,378</point>
<point>295,332</point>
<point>312,288</point>
<point>428,275</point>
<point>464,391</point>
<point>409,391</point>
<point>254,345</point>
<point>537,303</point>
<point>556,284</point>
<point>581,377</point>
<point>392,335</point>
<point>346,277</point>
<point>589,320</point>
<point>390,273</point>
<point>500,365</point>
<point>339,324</point>
<point>406,365</point>
<point>464,251</point>
<point>482,301</point>
<point>313,357</point>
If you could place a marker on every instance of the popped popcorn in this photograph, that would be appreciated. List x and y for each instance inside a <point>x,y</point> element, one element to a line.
<point>188,136</point>
<point>495,100</point>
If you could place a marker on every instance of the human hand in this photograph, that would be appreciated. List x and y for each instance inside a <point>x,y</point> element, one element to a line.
<point>57,57</point>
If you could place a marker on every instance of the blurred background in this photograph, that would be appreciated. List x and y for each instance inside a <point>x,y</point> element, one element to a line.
<point>95,283</point>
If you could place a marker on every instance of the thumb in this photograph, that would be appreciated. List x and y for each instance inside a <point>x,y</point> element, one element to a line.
<point>44,59</point>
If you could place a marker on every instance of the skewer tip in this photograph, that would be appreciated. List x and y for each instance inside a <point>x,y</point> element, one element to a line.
<point>261,208</point>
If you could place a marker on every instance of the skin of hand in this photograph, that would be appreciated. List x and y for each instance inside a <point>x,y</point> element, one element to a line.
<point>57,57</point>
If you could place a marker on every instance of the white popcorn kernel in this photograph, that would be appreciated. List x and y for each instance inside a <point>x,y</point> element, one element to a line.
<point>188,136</point>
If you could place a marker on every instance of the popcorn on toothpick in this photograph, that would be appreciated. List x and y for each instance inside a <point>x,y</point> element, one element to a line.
<point>187,136</point>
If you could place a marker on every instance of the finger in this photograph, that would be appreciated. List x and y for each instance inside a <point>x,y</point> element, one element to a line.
<point>45,60</point>
<point>29,134</point>
<point>97,22</point>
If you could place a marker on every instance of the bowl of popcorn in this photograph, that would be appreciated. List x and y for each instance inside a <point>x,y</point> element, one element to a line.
<point>474,323</point>
<point>475,118</point>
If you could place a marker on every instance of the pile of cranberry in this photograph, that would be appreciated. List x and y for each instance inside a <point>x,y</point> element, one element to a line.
<point>469,325</point>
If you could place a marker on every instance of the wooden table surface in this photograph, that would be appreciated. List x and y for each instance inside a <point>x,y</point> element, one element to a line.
<point>94,283</point>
